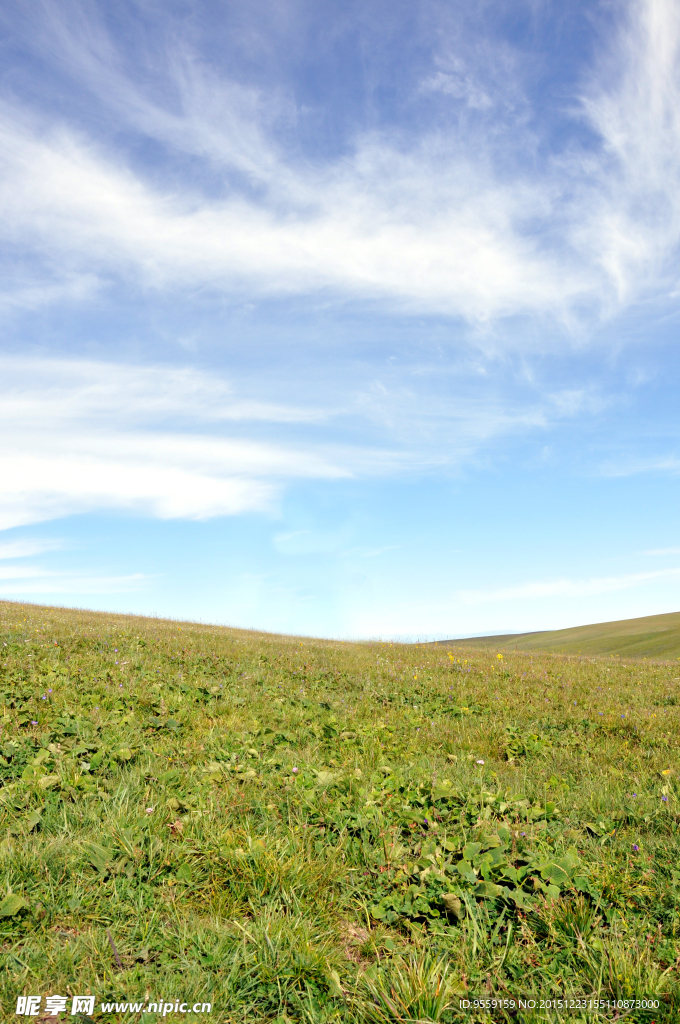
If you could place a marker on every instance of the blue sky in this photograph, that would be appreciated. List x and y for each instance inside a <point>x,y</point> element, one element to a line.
<point>347,319</point>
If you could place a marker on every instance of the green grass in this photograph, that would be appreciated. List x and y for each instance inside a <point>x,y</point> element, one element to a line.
<point>654,636</point>
<point>303,830</point>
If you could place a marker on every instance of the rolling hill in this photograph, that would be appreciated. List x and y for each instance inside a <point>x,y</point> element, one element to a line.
<point>654,636</point>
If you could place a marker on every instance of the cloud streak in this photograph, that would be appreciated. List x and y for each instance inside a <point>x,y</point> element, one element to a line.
<point>37,580</point>
<point>81,436</point>
<point>173,442</point>
<point>424,222</point>
<point>566,587</point>
<point>408,229</point>
<point>634,107</point>
<point>27,548</point>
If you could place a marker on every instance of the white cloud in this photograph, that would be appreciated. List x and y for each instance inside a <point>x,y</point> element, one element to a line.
<point>631,225</point>
<point>42,390</point>
<point>649,464</point>
<point>27,548</point>
<point>384,225</point>
<point>36,580</point>
<point>424,222</point>
<point>78,436</point>
<point>566,587</point>
<point>43,488</point>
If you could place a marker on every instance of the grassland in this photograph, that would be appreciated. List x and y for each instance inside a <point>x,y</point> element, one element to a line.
<point>653,636</point>
<point>301,830</point>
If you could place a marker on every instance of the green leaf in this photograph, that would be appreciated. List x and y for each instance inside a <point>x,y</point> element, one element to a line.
<point>100,856</point>
<point>32,820</point>
<point>123,754</point>
<point>466,871</point>
<point>487,890</point>
<point>570,859</point>
<point>48,781</point>
<point>519,898</point>
<point>554,873</point>
<point>12,904</point>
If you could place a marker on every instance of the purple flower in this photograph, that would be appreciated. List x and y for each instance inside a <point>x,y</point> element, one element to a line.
<point>636,848</point>
<point>665,799</point>
<point>33,723</point>
<point>634,794</point>
<point>49,691</point>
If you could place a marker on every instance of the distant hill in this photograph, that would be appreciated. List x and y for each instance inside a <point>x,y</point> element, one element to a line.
<point>654,636</point>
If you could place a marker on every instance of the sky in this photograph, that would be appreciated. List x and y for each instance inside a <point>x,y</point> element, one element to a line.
<point>353,319</point>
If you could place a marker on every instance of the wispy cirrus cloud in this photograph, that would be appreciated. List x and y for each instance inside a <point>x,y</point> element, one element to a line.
<point>26,548</point>
<point>382,226</point>
<point>41,390</point>
<point>421,221</point>
<point>567,587</point>
<point>632,102</point>
<point>176,442</point>
<point>83,436</point>
<point>632,466</point>
<point>35,579</point>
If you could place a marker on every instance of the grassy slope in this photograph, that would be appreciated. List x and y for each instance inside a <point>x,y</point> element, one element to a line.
<point>272,824</point>
<point>654,636</point>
